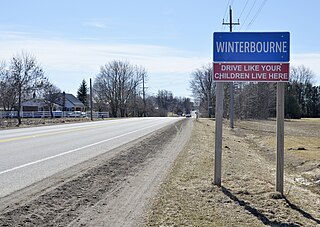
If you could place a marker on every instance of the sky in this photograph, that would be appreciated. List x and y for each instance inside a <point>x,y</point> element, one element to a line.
<point>72,39</point>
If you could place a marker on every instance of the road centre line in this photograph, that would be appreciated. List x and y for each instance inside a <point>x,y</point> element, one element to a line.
<point>52,133</point>
<point>47,134</point>
<point>74,150</point>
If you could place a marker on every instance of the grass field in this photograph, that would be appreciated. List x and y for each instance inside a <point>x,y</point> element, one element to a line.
<point>302,137</point>
<point>247,196</point>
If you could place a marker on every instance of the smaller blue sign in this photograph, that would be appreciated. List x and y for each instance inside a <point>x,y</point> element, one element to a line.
<point>251,47</point>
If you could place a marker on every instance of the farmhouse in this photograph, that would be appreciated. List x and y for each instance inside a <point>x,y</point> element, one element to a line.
<point>65,102</point>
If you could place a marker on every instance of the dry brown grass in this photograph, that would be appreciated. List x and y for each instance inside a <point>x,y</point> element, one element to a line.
<point>247,198</point>
<point>302,137</point>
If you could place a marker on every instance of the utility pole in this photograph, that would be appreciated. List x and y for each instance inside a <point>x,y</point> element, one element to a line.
<point>209,104</point>
<point>91,102</point>
<point>64,104</point>
<point>143,96</point>
<point>230,23</point>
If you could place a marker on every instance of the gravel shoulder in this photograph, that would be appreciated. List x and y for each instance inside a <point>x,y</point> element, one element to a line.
<point>247,196</point>
<point>112,189</point>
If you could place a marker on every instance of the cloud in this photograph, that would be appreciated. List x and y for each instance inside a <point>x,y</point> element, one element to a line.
<point>67,62</point>
<point>71,55</point>
<point>96,23</point>
<point>86,55</point>
<point>14,35</point>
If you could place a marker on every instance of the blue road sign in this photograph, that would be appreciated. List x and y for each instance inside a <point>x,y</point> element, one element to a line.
<point>251,47</point>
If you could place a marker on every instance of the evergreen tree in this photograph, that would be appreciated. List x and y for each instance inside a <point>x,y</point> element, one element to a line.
<point>82,93</point>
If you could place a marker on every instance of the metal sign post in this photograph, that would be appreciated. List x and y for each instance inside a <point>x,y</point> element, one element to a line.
<point>218,134</point>
<point>280,137</point>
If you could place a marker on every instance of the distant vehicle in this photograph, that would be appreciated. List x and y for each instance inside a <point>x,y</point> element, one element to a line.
<point>77,114</point>
<point>188,115</point>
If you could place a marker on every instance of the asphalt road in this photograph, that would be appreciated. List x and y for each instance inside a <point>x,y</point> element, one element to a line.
<point>31,154</point>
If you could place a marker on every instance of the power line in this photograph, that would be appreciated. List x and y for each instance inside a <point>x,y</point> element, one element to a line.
<point>248,14</point>
<point>225,12</point>
<point>256,15</point>
<point>243,9</point>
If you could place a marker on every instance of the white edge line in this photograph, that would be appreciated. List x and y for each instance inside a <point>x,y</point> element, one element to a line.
<point>74,150</point>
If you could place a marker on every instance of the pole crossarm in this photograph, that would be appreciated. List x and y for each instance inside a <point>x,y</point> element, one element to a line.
<point>230,23</point>
<point>233,23</point>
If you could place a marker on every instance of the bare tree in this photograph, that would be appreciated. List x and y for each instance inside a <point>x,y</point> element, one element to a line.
<point>203,88</point>
<point>258,100</point>
<point>27,76</point>
<point>255,100</point>
<point>301,74</point>
<point>8,93</point>
<point>299,92</point>
<point>116,84</point>
<point>165,102</point>
<point>51,95</point>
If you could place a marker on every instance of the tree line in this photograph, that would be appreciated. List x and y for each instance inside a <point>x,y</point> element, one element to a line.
<point>118,88</point>
<point>258,100</point>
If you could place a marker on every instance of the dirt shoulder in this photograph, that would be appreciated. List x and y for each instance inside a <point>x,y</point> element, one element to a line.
<point>110,190</point>
<point>247,197</point>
